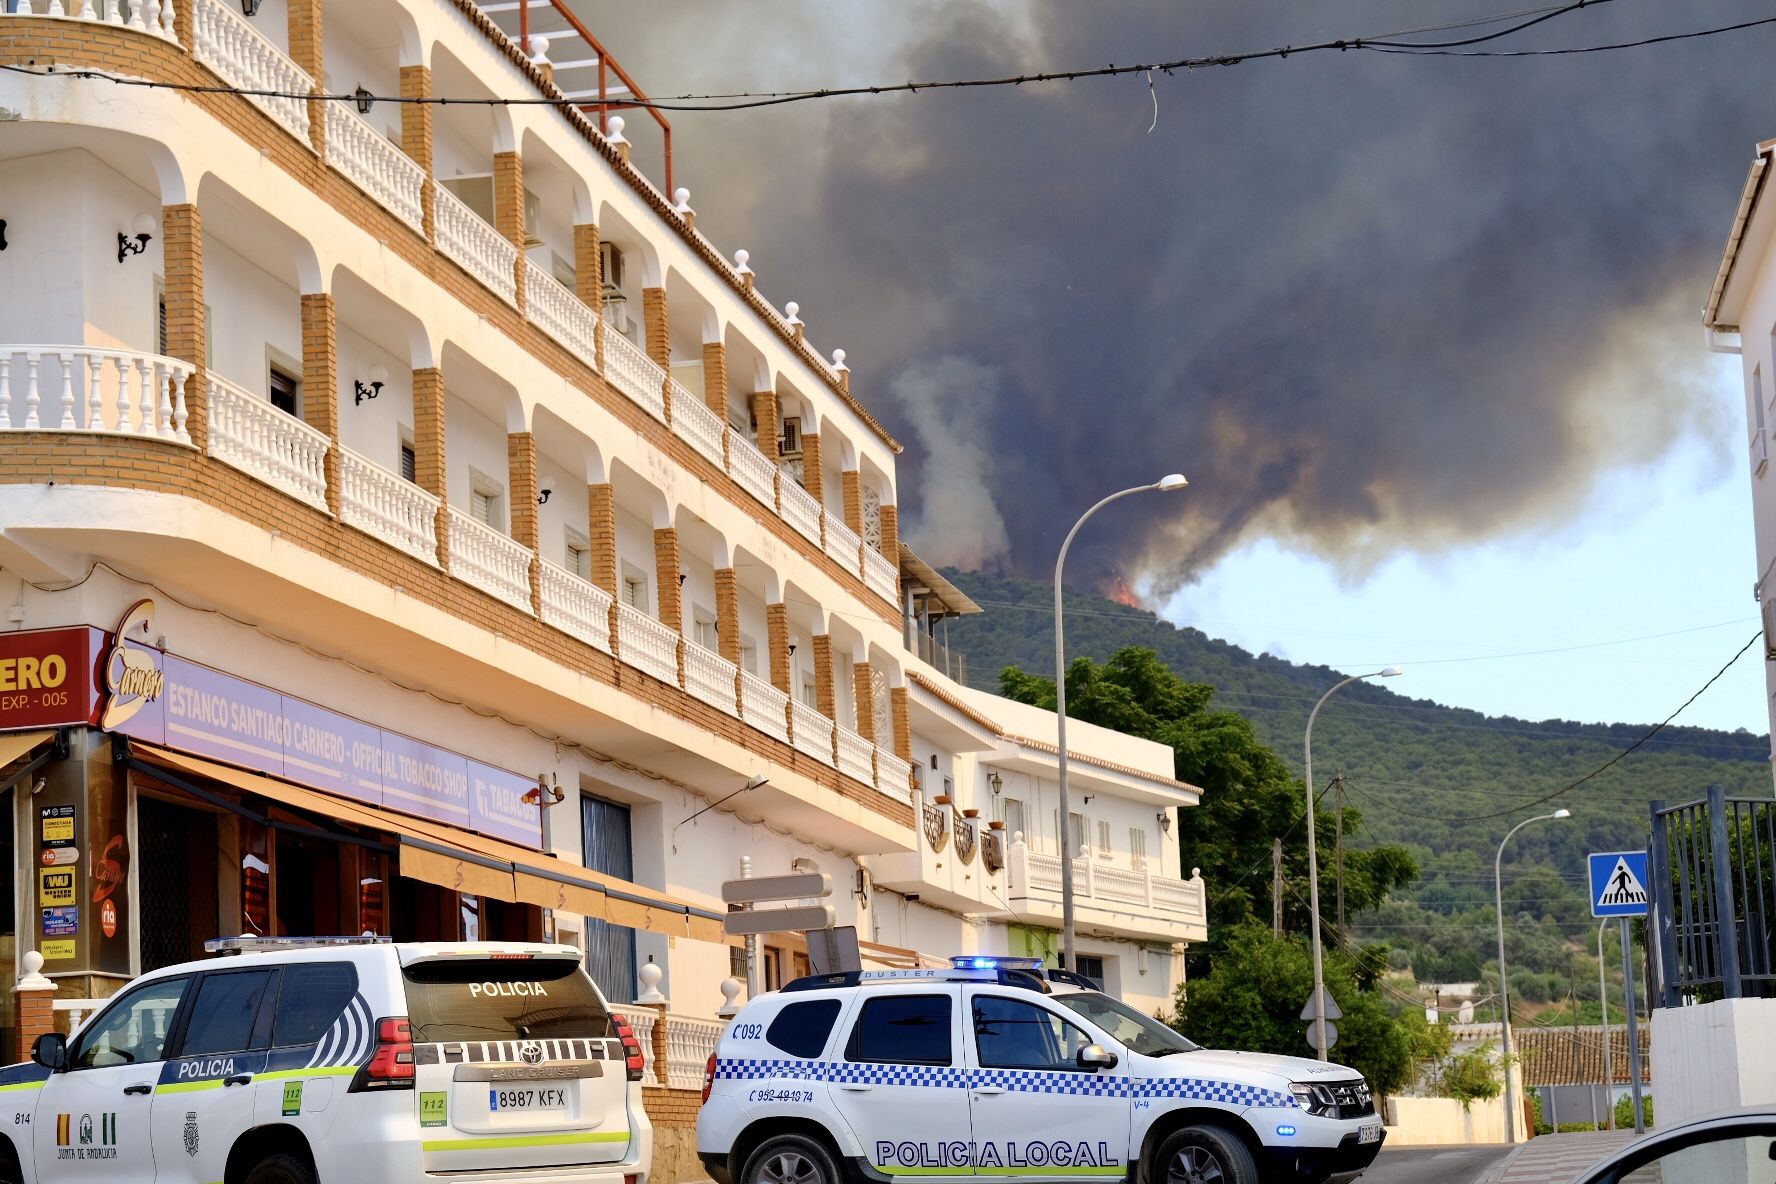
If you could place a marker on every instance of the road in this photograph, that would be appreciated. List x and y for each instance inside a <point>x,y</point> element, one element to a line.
<point>1444,1165</point>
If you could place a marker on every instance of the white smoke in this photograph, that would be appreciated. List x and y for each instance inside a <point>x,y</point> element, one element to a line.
<point>949,402</point>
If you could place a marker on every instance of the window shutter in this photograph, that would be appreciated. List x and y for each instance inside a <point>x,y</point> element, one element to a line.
<point>409,464</point>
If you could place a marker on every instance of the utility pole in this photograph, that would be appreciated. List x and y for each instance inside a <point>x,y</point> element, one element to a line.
<point>1338,784</point>
<point>1276,889</point>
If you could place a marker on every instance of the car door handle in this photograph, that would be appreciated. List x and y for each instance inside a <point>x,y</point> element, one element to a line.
<point>855,1087</point>
<point>237,1079</point>
<point>989,1091</point>
<point>141,1087</point>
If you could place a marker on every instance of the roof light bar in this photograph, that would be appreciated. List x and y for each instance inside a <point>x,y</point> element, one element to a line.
<point>994,962</point>
<point>249,943</point>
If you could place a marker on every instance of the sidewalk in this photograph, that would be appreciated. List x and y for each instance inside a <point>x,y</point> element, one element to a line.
<point>1558,1159</point>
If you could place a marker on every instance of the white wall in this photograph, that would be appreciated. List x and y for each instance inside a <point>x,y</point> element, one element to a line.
<point>256,320</point>
<point>1713,1056</point>
<point>1442,1122</point>
<point>473,441</point>
<point>374,427</point>
<point>635,548</point>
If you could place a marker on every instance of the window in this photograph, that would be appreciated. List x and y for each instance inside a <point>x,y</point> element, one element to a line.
<point>1075,832</point>
<point>484,503</point>
<point>409,463</point>
<point>902,1030</point>
<point>1129,1027</point>
<point>1014,818</point>
<point>579,555</point>
<point>286,391</point>
<point>749,654</point>
<point>1103,838</point>
<point>132,1031</point>
<point>1091,966</point>
<point>311,997</point>
<point>1012,1034</point>
<point>226,1013</point>
<point>801,1029</point>
<point>542,999</point>
<point>635,589</point>
<point>810,692</point>
<point>703,630</point>
<point>1137,847</point>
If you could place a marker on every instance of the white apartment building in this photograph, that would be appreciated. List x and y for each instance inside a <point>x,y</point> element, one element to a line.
<point>367,467</point>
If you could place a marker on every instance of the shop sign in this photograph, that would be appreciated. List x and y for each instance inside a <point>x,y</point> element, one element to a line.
<point>132,677</point>
<point>61,922</point>
<point>55,887</point>
<point>46,678</point>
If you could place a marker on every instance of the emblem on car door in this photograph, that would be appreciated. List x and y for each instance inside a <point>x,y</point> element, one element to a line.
<point>531,1054</point>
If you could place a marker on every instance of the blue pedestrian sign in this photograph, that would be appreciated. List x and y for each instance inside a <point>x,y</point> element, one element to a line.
<point>1618,884</point>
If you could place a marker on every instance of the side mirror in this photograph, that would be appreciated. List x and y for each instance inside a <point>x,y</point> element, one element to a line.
<point>1096,1056</point>
<point>51,1051</point>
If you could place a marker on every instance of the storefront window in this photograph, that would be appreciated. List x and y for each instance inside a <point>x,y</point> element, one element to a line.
<point>372,894</point>
<point>255,845</point>
<point>471,918</point>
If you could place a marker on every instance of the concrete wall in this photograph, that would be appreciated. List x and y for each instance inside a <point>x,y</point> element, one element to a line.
<point>1438,1122</point>
<point>1714,1056</point>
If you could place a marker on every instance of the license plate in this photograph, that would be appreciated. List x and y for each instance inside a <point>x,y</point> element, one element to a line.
<point>529,1098</point>
<point>1369,1133</point>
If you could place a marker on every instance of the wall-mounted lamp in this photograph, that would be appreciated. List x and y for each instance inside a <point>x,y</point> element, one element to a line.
<point>792,649</point>
<point>250,7</point>
<point>545,491</point>
<point>1165,822</point>
<point>378,379</point>
<point>681,578</point>
<point>2,234</point>
<point>996,781</point>
<point>127,246</point>
<point>545,794</point>
<point>365,100</point>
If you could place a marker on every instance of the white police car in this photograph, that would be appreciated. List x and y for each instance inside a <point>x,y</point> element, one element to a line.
<point>988,1070</point>
<point>337,1060</point>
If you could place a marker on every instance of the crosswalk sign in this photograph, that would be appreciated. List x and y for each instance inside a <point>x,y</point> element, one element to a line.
<point>1618,884</point>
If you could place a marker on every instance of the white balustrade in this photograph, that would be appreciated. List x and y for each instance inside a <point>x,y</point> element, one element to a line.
<point>146,16</point>
<point>813,732</point>
<point>561,314</point>
<point>800,509</point>
<point>70,388</point>
<point>710,677</point>
<point>894,776</point>
<point>1186,898</point>
<point>250,434</point>
<point>764,706</point>
<point>642,1020</point>
<point>634,373</point>
<point>387,506</point>
<point>856,756</point>
<point>689,1045</point>
<point>752,469</point>
<point>576,606</point>
<point>466,237</point>
<point>842,543</point>
<point>229,44</point>
<point>697,425</point>
<point>375,165</point>
<point>881,576</point>
<point>496,563</point>
<point>646,644</point>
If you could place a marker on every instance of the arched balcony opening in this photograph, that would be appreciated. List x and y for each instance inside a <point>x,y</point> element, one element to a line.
<point>478,197</point>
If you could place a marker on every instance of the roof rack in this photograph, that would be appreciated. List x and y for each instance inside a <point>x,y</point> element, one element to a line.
<point>248,943</point>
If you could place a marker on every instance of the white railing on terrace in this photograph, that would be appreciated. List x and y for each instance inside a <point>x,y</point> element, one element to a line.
<point>576,606</point>
<point>689,1045</point>
<point>800,509</point>
<point>752,469</point>
<point>635,374</point>
<point>1138,892</point>
<point>842,544</point>
<point>697,425</point>
<point>70,388</point>
<point>496,563</point>
<point>1186,898</point>
<point>881,576</point>
<point>813,731</point>
<point>484,252</point>
<point>894,776</point>
<point>646,644</point>
<point>710,677</point>
<point>228,43</point>
<point>642,1019</point>
<point>764,706</point>
<point>149,16</point>
<point>375,165</point>
<point>856,756</point>
<point>561,314</point>
<point>279,449</point>
<point>387,506</point>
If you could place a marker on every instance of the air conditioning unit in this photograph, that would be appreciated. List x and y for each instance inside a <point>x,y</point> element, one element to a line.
<point>790,442</point>
<point>616,315</point>
<point>610,266</point>
<point>1769,607</point>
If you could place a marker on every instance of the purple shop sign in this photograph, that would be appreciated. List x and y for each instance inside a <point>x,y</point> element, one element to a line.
<point>422,780</point>
<point>332,752</point>
<point>213,715</point>
<point>497,806</point>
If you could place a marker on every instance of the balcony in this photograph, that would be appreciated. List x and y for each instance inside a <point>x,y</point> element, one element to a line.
<point>376,166</point>
<point>229,44</point>
<point>382,505</point>
<point>80,388</point>
<point>646,644</point>
<point>881,576</point>
<point>764,707</point>
<point>561,314</point>
<point>496,563</point>
<point>843,546</point>
<point>1138,904</point>
<point>753,470</point>
<point>249,434</point>
<point>697,426</point>
<point>631,371</point>
<point>576,606</point>
<point>711,678</point>
<point>481,250</point>
<point>813,732</point>
<point>145,16</point>
<point>800,509</point>
<point>856,756</point>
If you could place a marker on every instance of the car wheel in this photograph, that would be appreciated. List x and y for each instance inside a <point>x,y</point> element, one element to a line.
<point>1203,1155</point>
<point>281,1169</point>
<point>790,1159</point>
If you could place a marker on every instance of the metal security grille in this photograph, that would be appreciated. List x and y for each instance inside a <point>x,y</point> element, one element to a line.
<point>610,949</point>
<point>1712,883</point>
<point>164,835</point>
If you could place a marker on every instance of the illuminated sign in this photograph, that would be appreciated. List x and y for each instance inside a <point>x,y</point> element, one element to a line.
<point>46,678</point>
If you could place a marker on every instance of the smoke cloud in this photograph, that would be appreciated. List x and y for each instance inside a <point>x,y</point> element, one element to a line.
<point>1367,303</point>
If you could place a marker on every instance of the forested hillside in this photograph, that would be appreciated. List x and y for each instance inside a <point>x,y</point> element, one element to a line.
<point>1445,782</point>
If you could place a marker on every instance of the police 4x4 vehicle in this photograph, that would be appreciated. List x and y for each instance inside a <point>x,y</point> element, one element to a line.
<point>989,1070</point>
<point>337,1060</point>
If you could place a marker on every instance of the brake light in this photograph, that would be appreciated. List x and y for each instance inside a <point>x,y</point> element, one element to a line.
<point>391,1065</point>
<point>633,1059</point>
<point>709,1077</point>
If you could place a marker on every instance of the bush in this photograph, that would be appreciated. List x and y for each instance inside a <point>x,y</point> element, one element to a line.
<point>1625,1112</point>
<point>1470,1077</point>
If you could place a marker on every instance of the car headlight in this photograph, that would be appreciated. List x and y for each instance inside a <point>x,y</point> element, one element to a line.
<point>1307,1097</point>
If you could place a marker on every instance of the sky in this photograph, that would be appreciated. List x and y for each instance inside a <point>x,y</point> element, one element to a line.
<point>1423,331</point>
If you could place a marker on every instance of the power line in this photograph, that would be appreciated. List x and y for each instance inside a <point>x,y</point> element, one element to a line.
<point>1539,53</point>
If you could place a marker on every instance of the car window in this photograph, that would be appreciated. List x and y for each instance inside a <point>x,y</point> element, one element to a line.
<point>310,998</point>
<point>1129,1027</point>
<point>224,1012</point>
<point>1733,1157</point>
<point>1012,1034</point>
<point>801,1029</point>
<point>902,1030</point>
<point>503,999</point>
<point>133,1030</point>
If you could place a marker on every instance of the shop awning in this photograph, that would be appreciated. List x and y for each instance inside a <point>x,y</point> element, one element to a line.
<point>16,744</point>
<point>466,862</point>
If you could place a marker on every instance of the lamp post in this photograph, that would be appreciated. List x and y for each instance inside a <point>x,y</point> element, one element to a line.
<point>1168,483</point>
<point>1498,891</point>
<point>1315,1002</point>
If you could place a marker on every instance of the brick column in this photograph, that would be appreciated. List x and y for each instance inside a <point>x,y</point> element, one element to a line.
<point>891,533</point>
<point>589,280</point>
<point>601,535</point>
<point>521,469</point>
<point>658,1042</point>
<point>813,474</point>
<point>666,573</point>
<point>182,248</point>
<point>715,379</point>
<point>764,414</point>
<point>899,709</point>
<point>659,337</point>
<point>320,380</point>
<point>416,135</point>
<point>35,996</point>
<point>863,700</point>
<point>428,449</point>
<point>777,642</point>
<point>825,701</point>
<point>508,210</point>
<point>851,490</point>
<point>306,51</point>
<point>727,613</point>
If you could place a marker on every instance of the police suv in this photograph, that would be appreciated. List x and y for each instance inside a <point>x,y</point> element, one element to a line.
<point>337,1060</point>
<point>990,1069</point>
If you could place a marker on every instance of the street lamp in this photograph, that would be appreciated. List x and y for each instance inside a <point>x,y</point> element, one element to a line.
<point>1498,890</point>
<point>1315,1002</point>
<point>1168,483</point>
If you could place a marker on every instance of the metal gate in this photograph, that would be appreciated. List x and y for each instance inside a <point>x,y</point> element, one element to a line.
<point>1713,898</point>
<point>610,949</point>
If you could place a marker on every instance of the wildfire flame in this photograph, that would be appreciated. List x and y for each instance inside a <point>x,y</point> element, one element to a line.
<point>1119,592</point>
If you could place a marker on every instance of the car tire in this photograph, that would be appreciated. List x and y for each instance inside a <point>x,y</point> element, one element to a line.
<point>1203,1155</point>
<point>790,1159</point>
<point>281,1169</point>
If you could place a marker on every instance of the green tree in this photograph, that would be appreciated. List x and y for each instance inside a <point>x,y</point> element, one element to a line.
<point>1469,1077</point>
